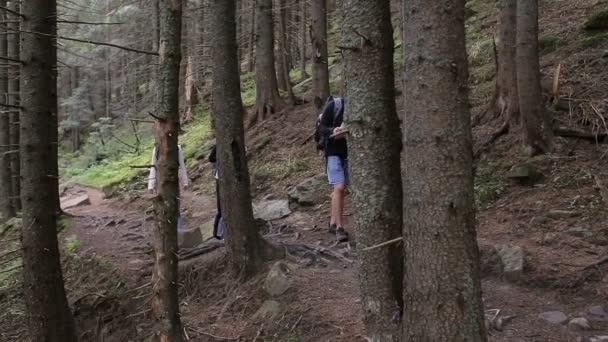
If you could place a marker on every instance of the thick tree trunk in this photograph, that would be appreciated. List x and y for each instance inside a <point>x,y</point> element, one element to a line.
<point>267,100</point>
<point>303,41</point>
<point>375,145</point>
<point>165,303</point>
<point>536,124</point>
<point>13,89</point>
<point>246,248</point>
<point>49,317</point>
<point>284,52</point>
<point>442,296</point>
<point>7,210</point>
<point>252,18</point>
<point>318,36</point>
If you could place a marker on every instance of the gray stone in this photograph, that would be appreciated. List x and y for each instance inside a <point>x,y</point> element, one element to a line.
<point>278,280</point>
<point>554,317</point>
<point>109,190</point>
<point>270,309</point>
<point>579,232</point>
<point>549,239</point>
<point>603,338</point>
<point>189,238</point>
<point>524,173</point>
<point>271,210</point>
<point>558,214</point>
<point>76,202</point>
<point>309,192</point>
<point>579,323</point>
<point>512,259</point>
<point>598,311</point>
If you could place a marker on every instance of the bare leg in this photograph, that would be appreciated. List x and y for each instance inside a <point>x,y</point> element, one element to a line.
<point>337,205</point>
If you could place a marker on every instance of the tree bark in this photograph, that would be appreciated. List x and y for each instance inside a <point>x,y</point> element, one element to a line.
<point>49,317</point>
<point>246,248</point>
<point>251,60</point>
<point>13,89</point>
<point>442,291</point>
<point>165,303</point>
<point>506,98</point>
<point>268,100</point>
<point>536,124</point>
<point>303,34</point>
<point>318,36</point>
<point>7,210</point>
<point>284,52</point>
<point>375,145</point>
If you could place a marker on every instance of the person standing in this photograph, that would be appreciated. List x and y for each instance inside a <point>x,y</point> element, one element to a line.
<point>333,141</point>
<point>218,224</point>
<point>183,178</point>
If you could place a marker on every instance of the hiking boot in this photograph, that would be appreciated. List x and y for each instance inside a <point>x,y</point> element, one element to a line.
<point>341,235</point>
<point>332,228</point>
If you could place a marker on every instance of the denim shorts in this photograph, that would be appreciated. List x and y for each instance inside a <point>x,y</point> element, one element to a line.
<point>337,170</point>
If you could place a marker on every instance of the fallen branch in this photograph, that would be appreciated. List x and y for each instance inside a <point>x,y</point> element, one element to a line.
<point>140,120</point>
<point>141,166</point>
<point>386,243</point>
<point>11,269</point>
<point>224,338</point>
<point>194,252</point>
<point>2,8</point>
<point>84,22</point>
<point>578,133</point>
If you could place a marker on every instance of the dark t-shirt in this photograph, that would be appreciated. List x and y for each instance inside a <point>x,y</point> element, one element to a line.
<point>329,121</point>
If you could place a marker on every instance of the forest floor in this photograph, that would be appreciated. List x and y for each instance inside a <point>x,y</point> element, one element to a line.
<point>560,224</point>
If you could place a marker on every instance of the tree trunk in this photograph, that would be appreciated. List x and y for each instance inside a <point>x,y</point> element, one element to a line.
<point>267,93</point>
<point>284,52</point>
<point>536,124</point>
<point>13,89</point>
<point>251,59</point>
<point>49,317</point>
<point>7,210</point>
<point>318,36</point>
<point>303,34</point>
<point>442,290</point>
<point>165,303</point>
<point>506,99</point>
<point>246,248</point>
<point>375,145</point>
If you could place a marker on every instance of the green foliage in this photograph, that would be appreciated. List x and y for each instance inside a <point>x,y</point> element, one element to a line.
<point>598,21</point>
<point>64,222</point>
<point>594,40</point>
<point>248,91</point>
<point>550,42</point>
<point>280,169</point>
<point>116,166</point>
<point>71,243</point>
<point>489,183</point>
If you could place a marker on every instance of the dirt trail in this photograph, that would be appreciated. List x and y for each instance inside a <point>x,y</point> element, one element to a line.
<point>323,304</point>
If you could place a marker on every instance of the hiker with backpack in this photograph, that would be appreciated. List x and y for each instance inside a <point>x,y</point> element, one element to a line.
<point>183,179</point>
<point>330,137</point>
<point>218,224</point>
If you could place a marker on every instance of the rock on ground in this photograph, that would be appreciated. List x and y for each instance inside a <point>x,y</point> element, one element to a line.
<point>554,317</point>
<point>598,311</point>
<point>270,309</point>
<point>579,323</point>
<point>309,192</point>
<point>512,259</point>
<point>278,279</point>
<point>271,210</point>
<point>76,202</point>
<point>189,238</point>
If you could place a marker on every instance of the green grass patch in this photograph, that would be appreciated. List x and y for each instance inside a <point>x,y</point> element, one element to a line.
<point>489,182</point>
<point>248,92</point>
<point>116,167</point>
<point>71,244</point>
<point>550,42</point>
<point>594,40</point>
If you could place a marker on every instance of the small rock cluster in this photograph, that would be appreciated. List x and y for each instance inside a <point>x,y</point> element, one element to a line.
<point>580,322</point>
